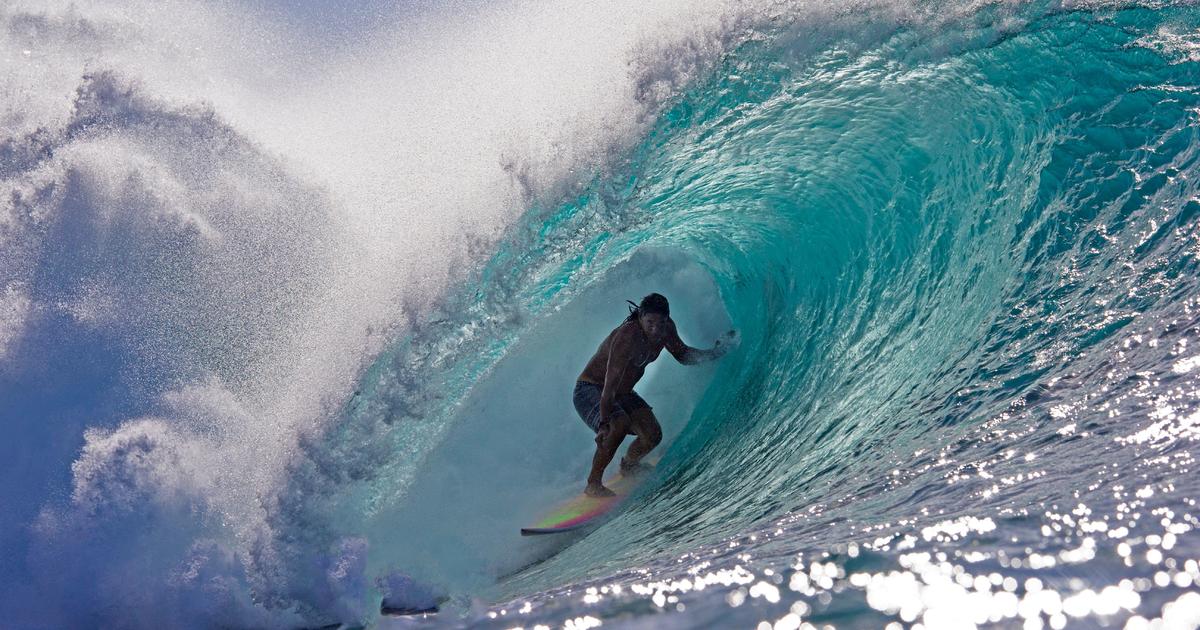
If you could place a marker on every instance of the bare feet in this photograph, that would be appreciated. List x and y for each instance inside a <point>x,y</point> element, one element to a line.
<point>598,490</point>
<point>635,469</point>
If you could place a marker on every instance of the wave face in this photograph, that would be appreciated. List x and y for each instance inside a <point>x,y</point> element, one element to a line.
<point>962,257</point>
<point>960,244</point>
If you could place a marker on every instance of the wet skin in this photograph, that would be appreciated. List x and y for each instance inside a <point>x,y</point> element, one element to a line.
<point>619,363</point>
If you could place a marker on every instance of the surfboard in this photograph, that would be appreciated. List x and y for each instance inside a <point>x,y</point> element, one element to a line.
<point>583,510</point>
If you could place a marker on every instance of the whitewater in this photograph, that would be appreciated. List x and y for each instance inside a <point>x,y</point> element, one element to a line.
<point>293,298</point>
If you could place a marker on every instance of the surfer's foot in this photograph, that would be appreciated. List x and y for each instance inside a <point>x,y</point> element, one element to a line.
<point>598,490</point>
<point>634,469</point>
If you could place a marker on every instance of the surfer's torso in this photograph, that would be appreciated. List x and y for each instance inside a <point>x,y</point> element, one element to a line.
<point>645,351</point>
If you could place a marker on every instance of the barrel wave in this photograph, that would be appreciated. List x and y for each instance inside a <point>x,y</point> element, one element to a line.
<point>961,248</point>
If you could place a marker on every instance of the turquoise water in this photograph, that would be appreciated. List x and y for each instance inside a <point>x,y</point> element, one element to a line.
<point>289,325</point>
<point>963,264</point>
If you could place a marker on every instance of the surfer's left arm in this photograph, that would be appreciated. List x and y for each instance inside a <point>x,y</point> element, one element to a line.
<point>688,355</point>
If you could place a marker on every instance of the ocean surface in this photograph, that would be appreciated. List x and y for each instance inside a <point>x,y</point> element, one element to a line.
<point>292,300</point>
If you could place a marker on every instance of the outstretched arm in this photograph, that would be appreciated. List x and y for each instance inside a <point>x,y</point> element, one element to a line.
<point>688,355</point>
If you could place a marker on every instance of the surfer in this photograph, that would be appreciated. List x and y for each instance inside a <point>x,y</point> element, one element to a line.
<point>604,395</point>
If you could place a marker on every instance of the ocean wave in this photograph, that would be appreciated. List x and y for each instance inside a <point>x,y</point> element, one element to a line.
<point>958,240</point>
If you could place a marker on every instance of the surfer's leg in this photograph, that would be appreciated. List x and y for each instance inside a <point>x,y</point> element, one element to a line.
<point>605,450</point>
<point>649,434</point>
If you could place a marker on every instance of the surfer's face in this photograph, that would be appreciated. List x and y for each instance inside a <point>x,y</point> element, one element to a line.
<point>654,325</point>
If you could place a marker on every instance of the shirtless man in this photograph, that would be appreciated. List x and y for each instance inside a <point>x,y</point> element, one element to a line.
<point>604,395</point>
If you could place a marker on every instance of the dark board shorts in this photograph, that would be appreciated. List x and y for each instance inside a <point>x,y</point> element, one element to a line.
<point>587,404</point>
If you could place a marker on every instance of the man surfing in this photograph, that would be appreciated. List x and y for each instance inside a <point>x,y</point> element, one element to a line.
<point>604,395</point>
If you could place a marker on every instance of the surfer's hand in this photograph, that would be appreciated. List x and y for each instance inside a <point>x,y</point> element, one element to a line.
<point>725,343</point>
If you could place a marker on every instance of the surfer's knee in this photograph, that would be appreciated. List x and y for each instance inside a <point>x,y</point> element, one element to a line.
<point>654,434</point>
<point>647,427</point>
<point>618,426</point>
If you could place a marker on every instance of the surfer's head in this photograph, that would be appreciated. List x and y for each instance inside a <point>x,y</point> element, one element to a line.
<point>653,314</point>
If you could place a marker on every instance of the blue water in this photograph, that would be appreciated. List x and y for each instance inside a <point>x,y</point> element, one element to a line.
<point>960,245</point>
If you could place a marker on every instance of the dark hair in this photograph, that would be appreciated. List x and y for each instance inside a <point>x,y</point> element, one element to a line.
<point>653,303</point>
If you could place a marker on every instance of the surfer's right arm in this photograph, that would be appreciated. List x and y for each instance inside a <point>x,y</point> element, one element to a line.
<point>688,355</point>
